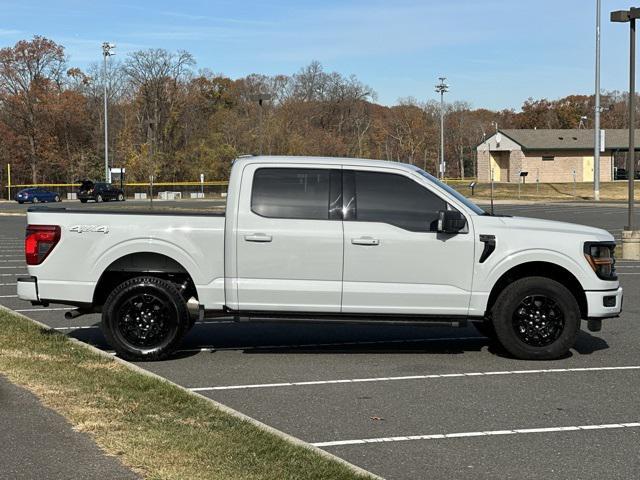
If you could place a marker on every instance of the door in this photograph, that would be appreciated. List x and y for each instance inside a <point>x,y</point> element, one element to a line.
<point>587,169</point>
<point>289,239</point>
<point>394,260</point>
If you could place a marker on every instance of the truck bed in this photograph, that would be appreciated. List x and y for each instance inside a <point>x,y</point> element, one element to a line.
<point>110,240</point>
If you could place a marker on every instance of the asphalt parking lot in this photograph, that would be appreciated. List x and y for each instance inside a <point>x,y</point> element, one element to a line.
<point>415,402</point>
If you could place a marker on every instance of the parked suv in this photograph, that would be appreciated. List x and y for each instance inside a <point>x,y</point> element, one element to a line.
<point>99,192</point>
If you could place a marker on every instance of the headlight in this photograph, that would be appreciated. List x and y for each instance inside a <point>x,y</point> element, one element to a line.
<point>601,257</point>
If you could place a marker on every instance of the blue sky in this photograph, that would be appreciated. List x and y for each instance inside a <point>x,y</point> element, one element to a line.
<point>494,53</point>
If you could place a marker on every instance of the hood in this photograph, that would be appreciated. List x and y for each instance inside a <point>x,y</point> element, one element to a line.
<point>554,227</point>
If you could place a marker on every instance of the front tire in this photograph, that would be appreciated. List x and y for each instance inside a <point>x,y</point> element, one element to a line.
<point>98,198</point>
<point>536,318</point>
<point>83,200</point>
<point>145,318</point>
<point>57,199</point>
<point>120,197</point>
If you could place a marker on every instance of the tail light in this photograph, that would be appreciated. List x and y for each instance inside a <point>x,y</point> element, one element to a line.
<point>39,242</point>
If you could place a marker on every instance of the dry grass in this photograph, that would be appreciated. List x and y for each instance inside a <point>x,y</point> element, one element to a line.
<point>609,191</point>
<point>155,428</point>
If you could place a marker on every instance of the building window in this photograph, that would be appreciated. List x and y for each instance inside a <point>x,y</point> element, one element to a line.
<point>547,158</point>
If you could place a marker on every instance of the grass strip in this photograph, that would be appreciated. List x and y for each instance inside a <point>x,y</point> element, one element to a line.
<point>155,428</point>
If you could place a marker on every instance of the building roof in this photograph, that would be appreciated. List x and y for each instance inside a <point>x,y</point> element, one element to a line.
<point>569,139</point>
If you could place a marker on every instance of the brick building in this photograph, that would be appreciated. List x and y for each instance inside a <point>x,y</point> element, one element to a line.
<point>550,155</point>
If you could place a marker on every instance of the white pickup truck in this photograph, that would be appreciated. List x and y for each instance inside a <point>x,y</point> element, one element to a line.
<point>324,239</point>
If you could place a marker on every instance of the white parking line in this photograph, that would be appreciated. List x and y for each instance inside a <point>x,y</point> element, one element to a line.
<point>12,261</point>
<point>13,274</point>
<point>414,377</point>
<point>440,436</point>
<point>8,284</point>
<point>9,268</point>
<point>8,296</point>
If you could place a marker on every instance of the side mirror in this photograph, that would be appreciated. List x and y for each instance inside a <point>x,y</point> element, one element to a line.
<point>450,221</point>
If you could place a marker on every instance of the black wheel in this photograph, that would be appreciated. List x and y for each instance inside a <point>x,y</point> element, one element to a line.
<point>120,197</point>
<point>536,318</point>
<point>98,198</point>
<point>20,203</point>
<point>145,318</point>
<point>57,199</point>
<point>83,200</point>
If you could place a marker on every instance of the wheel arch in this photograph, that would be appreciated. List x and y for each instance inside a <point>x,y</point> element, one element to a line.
<point>541,269</point>
<point>143,263</point>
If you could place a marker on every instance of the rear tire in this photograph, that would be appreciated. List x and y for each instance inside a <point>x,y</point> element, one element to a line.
<point>120,197</point>
<point>145,318</point>
<point>57,199</point>
<point>83,200</point>
<point>35,200</point>
<point>536,318</point>
<point>98,198</point>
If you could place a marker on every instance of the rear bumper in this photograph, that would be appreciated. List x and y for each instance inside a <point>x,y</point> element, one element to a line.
<point>597,302</point>
<point>28,289</point>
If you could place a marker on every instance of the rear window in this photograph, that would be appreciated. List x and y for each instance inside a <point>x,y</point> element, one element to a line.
<point>301,193</point>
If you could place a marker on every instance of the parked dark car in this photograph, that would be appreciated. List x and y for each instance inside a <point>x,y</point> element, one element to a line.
<point>35,195</point>
<point>99,192</point>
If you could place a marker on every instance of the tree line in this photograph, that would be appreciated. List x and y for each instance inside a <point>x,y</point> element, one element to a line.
<point>172,121</point>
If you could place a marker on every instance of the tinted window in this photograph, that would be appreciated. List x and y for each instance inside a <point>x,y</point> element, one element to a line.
<point>397,200</point>
<point>291,193</point>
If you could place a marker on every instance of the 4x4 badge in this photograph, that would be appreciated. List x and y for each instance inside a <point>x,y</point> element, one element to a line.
<point>89,229</point>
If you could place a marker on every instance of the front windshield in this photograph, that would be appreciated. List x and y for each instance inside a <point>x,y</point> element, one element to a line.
<point>452,191</point>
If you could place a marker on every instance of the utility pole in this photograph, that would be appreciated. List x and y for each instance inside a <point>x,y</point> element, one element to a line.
<point>630,236</point>
<point>596,122</point>
<point>261,98</point>
<point>107,51</point>
<point>441,88</point>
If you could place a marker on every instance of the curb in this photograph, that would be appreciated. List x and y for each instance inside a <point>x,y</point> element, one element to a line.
<point>234,413</point>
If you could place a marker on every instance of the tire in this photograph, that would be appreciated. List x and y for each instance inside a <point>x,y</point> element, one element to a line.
<point>83,200</point>
<point>120,197</point>
<point>98,198</point>
<point>20,203</point>
<point>35,200</point>
<point>165,318</point>
<point>536,318</point>
<point>57,199</point>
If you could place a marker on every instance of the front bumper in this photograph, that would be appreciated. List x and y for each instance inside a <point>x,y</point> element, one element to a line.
<point>597,301</point>
<point>28,289</point>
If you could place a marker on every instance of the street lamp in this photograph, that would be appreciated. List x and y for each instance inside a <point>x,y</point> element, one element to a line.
<point>630,238</point>
<point>441,88</point>
<point>596,117</point>
<point>107,51</point>
<point>261,98</point>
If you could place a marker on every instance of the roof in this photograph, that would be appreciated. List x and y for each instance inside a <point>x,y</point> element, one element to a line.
<point>363,162</point>
<point>568,139</point>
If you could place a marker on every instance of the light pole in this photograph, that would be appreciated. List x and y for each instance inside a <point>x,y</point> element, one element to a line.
<point>596,122</point>
<point>107,51</point>
<point>441,88</point>
<point>261,98</point>
<point>630,238</point>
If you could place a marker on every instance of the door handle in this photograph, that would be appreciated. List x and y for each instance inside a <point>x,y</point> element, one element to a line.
<point>365,241</point>
<point>258,237</point>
